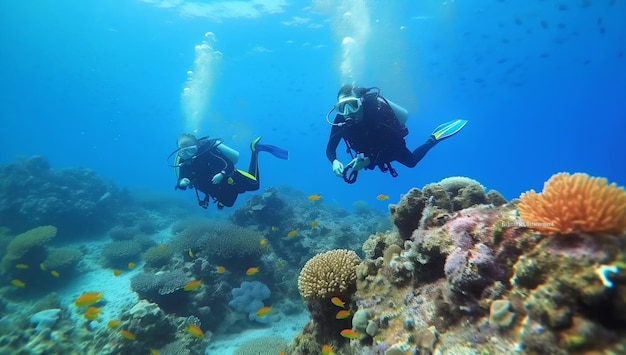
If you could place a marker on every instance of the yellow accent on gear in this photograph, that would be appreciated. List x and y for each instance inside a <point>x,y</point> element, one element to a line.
<point>246,174</point>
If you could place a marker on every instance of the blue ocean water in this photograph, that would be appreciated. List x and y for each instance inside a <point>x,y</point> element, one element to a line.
<point>99,84</point>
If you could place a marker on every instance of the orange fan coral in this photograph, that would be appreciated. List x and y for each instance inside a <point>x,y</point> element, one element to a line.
<point>575,203</point>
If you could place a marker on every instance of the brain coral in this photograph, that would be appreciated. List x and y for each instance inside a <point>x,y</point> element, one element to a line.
<point>575,203</point>
<point>328,274</point>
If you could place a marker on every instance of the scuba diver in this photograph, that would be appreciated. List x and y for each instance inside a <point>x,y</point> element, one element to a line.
<point>208,165</point>
<point>374,130</point>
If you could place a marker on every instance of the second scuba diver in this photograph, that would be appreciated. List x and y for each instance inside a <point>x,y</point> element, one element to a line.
<point>208,165</point>
<point>374,130</point>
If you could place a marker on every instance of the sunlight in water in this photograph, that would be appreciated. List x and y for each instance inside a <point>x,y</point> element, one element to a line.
<point>352,25</point>
<point>198,86</point>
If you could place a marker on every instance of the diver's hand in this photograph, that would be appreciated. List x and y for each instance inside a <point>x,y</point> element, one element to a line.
<point>359,162</point>
<point>217,178</point>
<point>338,168</point>
<point>183,183</point>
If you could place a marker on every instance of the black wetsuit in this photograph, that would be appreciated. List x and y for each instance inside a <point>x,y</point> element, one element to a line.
<point>209,161</point>
<point>379,136</point>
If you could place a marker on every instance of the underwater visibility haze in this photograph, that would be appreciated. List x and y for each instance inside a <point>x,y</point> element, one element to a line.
<point>507,237</point>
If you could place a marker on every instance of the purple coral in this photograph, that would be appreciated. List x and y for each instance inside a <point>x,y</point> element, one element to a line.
<point>470,271</point>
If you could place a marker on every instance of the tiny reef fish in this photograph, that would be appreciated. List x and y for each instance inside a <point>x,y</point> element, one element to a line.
<point>251,271</point>
<point>350,334</point>
<point>87,299</point>
<point>195,331</point>
<point>338,302</point>
<point>343,314</point>
<point>18,283</point>
<point>127,335</point>
<point>315,198</point>
<point>263,311</point>
<point>192,285</point>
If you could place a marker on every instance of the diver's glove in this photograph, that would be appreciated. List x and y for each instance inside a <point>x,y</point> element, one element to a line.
<point>184,183</point>
<point>360,162</point>
<point>217,178</point>
<point>338,168</point>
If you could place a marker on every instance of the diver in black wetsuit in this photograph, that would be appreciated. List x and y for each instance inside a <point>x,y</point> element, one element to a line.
<point>208,165</point>
<point>374,130</point>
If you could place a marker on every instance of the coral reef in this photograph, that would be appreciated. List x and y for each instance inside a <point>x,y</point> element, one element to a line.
<point>45,320</point>
<point>433,205</point>
<point>75,200</point>
<point>158,256</point>
<point>263,345</point>
<point>575,203</point>
<point>463,274</point>
<point>28,246</point>
<point>328,274</point>
<point>268,209</point>
<point>63,259</point>
<point>248,298</point>
<point>119,253</point>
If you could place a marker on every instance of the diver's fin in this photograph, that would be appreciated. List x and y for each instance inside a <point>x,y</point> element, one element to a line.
<point>448,129</point>
<point>279,153</point>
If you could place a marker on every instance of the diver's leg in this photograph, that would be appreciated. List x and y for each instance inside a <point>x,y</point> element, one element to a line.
<point>421,151</point>
<point>253,169</point>
<point>412,158</point>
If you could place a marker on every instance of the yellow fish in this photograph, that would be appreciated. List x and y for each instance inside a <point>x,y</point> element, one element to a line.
<point>153,352</point>
<point>192,285</point>
<point>91,313</point>
<point>382,197</point>
<point>291,234</point>
<point>350,334</point>
<point>127,335</point>
<point>338,302</point>
<point>263,311</point>
<point>327,350</point>
<point>191,255</point>
<point>314,224</point>
<point>54,273</point>
<point>343,314</point>
<point>251,271</point>
<point>263,242</point>
<point>274,229</point>
<point>131,265</point>
<point>220,269</point>
<point>315,197</point>
<point>18,283</point>
<point>162,246</point>
<point>195,331</point>
<point>42,266</point>
<point>87,299</point>
<point>117,272</point>
<point>112,324</point>
<point>21,266</point>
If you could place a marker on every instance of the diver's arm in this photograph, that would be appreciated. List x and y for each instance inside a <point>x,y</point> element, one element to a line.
<point>183,181</point>
<point>401,113</point>
<point>333,143</point>
<point>230,154</point>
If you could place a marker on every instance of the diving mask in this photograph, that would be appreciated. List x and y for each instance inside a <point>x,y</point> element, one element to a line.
<point>188,152</point>
<point>347,106</point>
